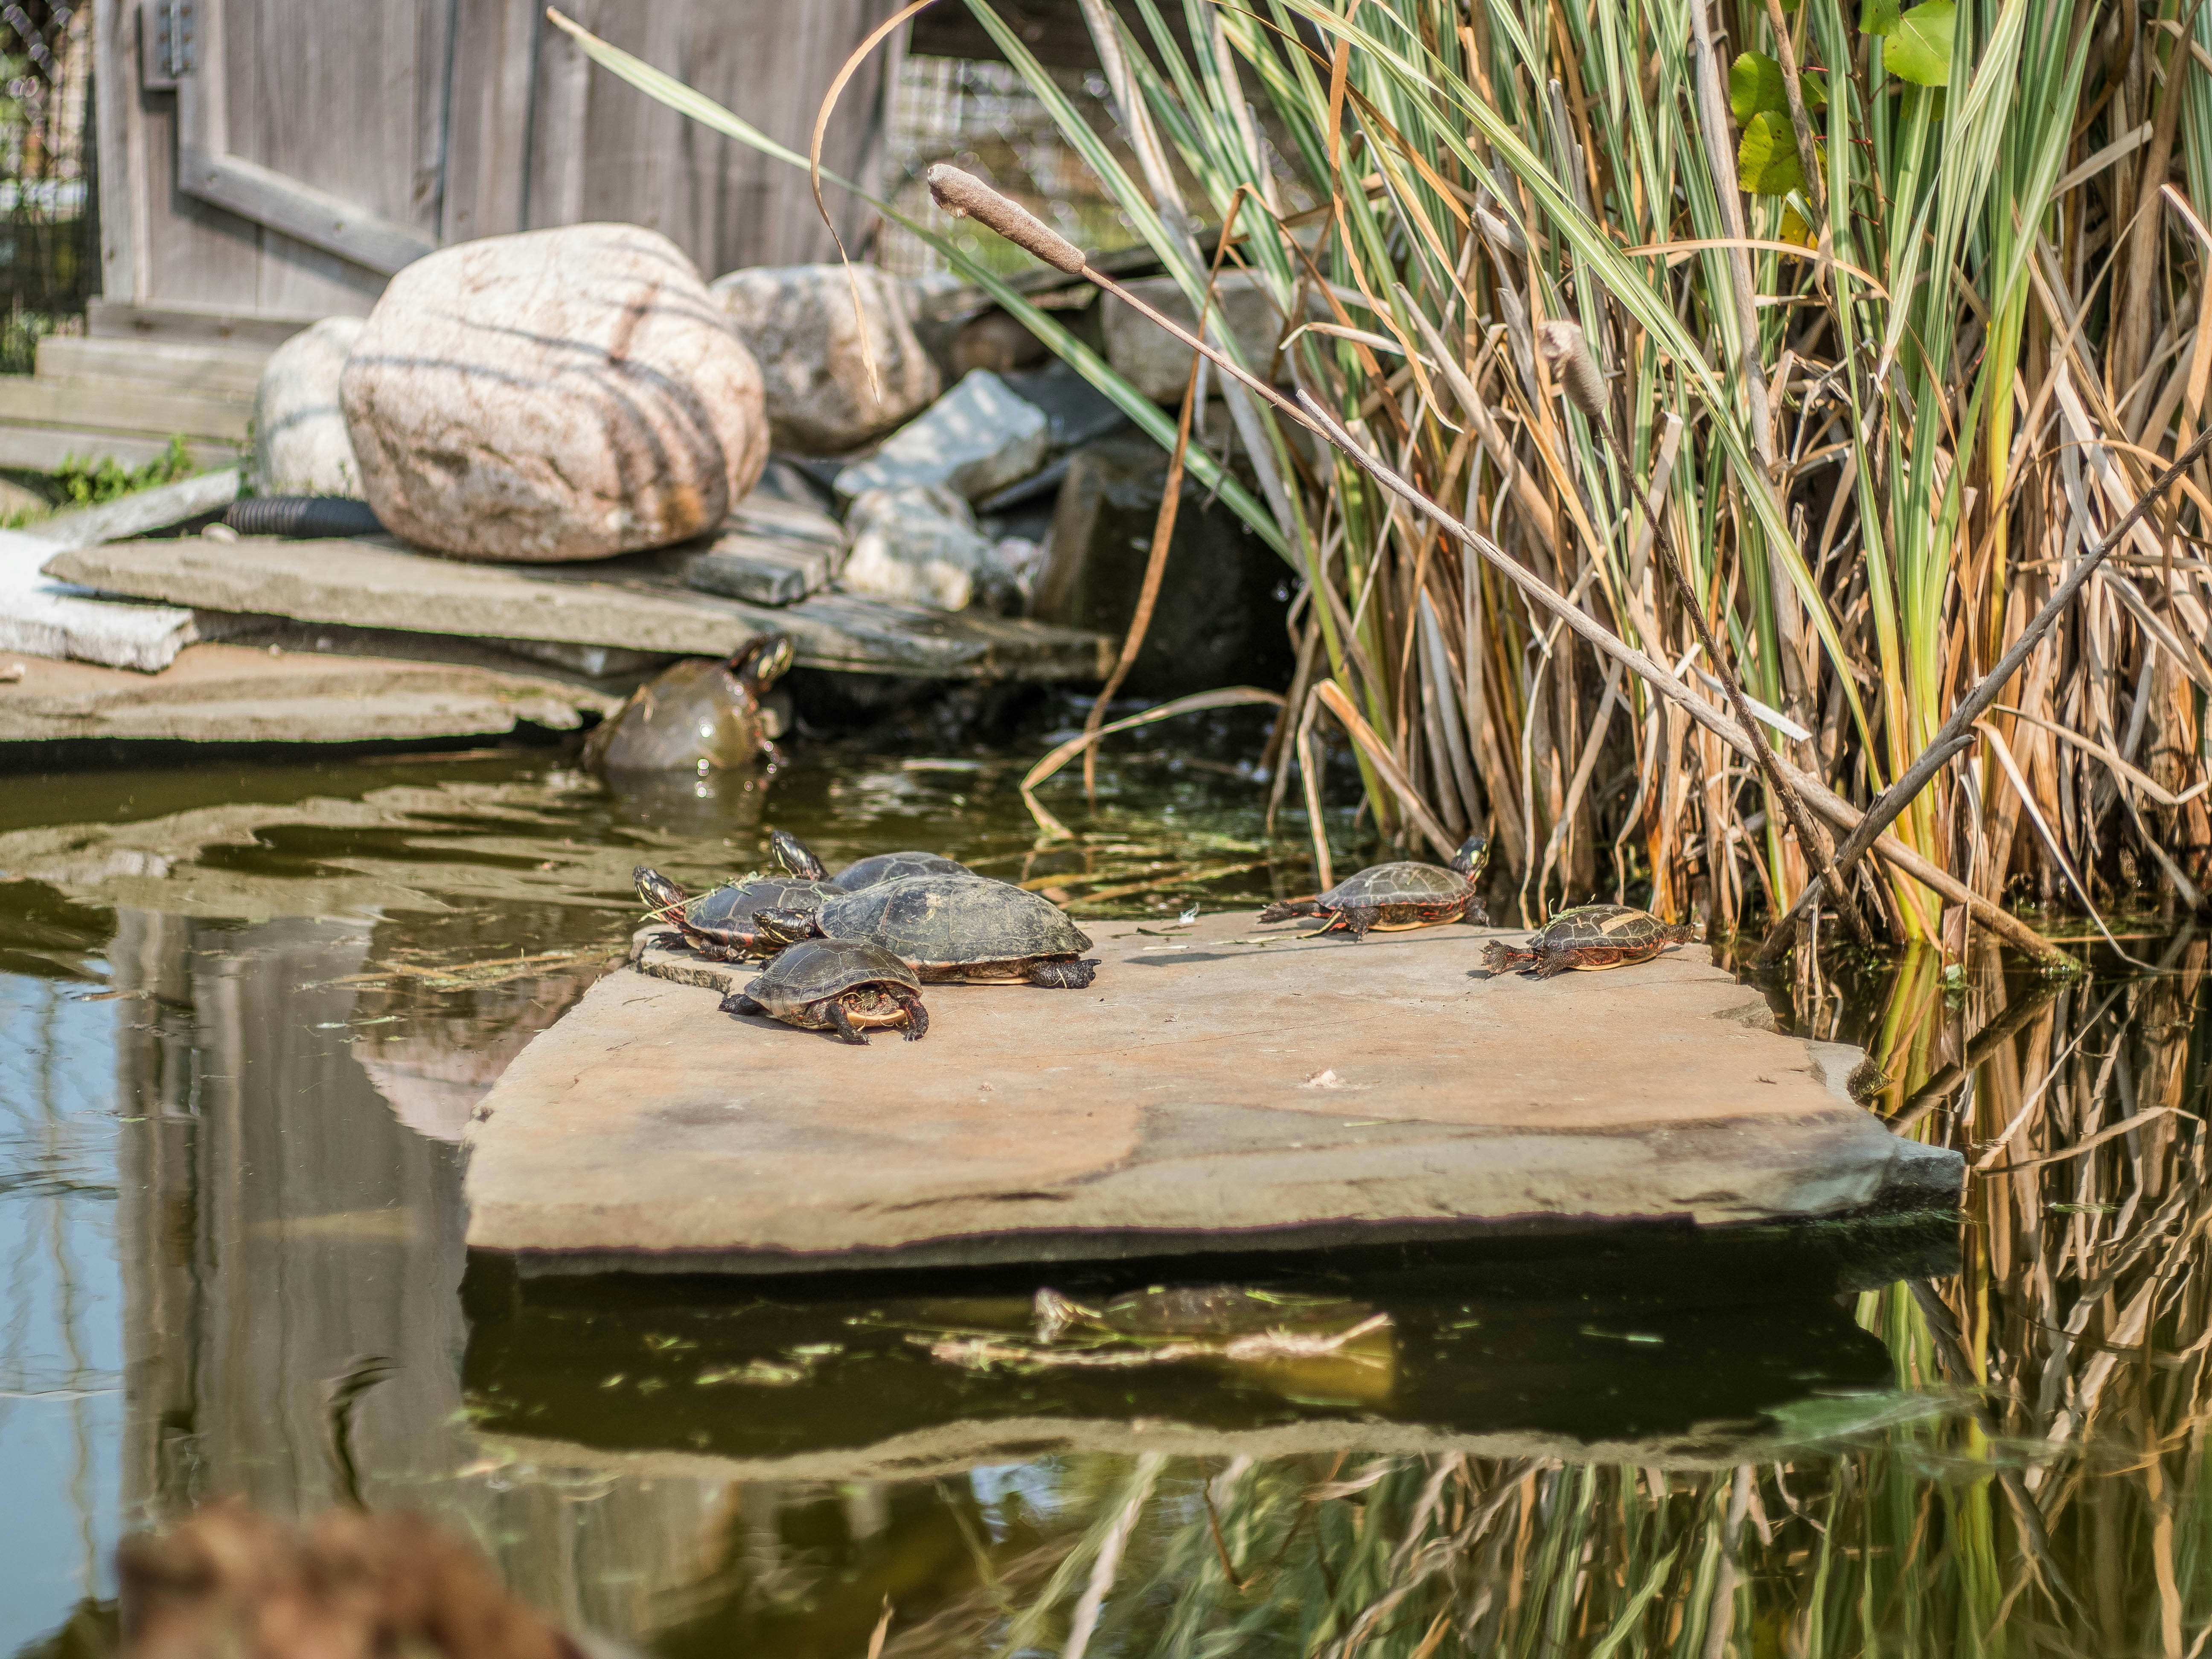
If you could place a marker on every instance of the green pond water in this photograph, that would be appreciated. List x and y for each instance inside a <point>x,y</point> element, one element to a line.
<point>245,1012</point>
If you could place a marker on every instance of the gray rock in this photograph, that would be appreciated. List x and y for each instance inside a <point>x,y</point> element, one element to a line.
<point>557,395</point>
<point>1220,617</point>
<point>1155,362</point>
<point>799,322</point>
<point>301,444</point>
<point>919,545</point>
<point>978,438</point>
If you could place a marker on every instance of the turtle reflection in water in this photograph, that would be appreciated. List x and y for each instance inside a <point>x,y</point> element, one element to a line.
<point>1591,936</point>
<point>1318,1350</point>
<point>837,985</point>
<point>700,714</point>
<point>1386,897</point>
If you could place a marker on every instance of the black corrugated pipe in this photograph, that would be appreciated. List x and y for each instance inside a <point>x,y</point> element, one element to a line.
<point>301,516</point>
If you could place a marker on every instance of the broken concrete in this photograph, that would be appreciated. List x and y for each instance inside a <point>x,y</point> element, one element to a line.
<point>237,694</point>
<point>639,603</point>
<point>43,618</point>
<point>1220,1089</point>
<point>978,438</point>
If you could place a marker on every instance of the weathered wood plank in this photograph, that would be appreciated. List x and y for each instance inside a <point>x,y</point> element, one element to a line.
<point>206,371</point>
<point>182,324</point>
<point>102,406</point>
<point>37,447</point>
<point>639,602</point>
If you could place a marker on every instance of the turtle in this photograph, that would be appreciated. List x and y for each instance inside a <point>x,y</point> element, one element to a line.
<point>703,712</point>
<point>1590,936</point>
<point>966,928</point>
<point>867,872</point>
<point>835,985</point>
<point>1384,897</point>
<point>723,925</point>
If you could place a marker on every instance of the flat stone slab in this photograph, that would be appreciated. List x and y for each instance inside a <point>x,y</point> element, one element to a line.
<point>640,602</point>
<point>236,694</point>
<point>1218,1087</point>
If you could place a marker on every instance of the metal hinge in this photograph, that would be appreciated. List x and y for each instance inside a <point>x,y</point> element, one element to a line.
<point>169,34</point>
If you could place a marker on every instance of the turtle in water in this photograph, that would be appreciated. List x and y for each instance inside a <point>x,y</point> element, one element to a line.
<point>703,712</point>
<point>837,985</point>
<point>1384,897</point>
<point>864,872</point>
<point>967,928</point>
<point>723,926</point>
<point>1590,936</point>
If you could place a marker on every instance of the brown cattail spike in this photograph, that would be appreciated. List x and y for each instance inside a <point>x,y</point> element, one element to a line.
<point>959,193</point>
<point>1567,355</point>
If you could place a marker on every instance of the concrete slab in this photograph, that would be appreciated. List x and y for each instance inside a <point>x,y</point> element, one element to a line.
<point>1219,1087</point>
<point>639,602</point>
<point>235,694</point>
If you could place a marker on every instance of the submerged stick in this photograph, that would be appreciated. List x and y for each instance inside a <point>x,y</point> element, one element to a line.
<point>1958,730</point>
<point>1309,413</point>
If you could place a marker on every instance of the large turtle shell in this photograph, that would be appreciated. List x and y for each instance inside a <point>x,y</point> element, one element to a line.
<point>1599,924</point>
<point>1406,882</point>
<point>816,969</point>
<point>952,921</point>
<point>891,867</point>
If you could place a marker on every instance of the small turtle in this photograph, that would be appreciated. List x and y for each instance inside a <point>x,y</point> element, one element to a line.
<point>702,713</point>
<point>1590,936</point>
<point>967,928</point>
<point>724,924</point>
<point>867,872</point>
<point>1384,897</point>
<point>835,985</point>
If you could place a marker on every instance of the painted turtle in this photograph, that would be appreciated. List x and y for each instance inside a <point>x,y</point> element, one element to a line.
<point>835,985</point>
<point>723,926</point>
<point>893,867</point>
<point>702,713</point>
<point>1590,936</point>
<point>1384,897</point>
<point>966,928</point>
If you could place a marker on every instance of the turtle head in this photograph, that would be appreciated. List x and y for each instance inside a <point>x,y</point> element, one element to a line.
<point>796,857</point>
<point>1473,855</point>
<point>761,662</point>
<point>780,928</point>
<point>656,890</point>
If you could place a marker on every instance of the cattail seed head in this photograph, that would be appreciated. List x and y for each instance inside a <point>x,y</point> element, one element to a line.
<point>1567,355</point>
<point>964,193</point>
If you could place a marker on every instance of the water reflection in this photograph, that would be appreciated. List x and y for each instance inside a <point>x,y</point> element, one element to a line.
<point>235,1038</point>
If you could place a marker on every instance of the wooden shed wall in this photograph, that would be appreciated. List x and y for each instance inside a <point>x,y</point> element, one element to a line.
<point>437,121</point>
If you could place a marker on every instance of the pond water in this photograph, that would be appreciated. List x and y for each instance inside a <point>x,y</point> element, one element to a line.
<point>245,1011</point>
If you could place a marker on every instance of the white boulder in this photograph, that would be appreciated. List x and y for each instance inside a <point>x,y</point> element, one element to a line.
<point>798,322</point>
<point>557,395</point>
<point>919,545</point>
<point>301,444</point>
<point>979,437</point>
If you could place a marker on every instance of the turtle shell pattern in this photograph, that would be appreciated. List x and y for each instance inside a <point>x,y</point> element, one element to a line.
<point>891,867</point>
<point>1390,886</point>
<point>816,969</point>
<point>963,927</point>
<point>1591,937</point>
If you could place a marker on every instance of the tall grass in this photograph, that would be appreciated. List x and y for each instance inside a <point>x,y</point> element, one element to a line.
<point>1923,352</point>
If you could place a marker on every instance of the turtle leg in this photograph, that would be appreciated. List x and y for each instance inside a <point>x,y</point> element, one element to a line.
<point>1284,909</point>
<point>780,928</point>
<point>842,1022</point>
<point>1551,963</point>
<point>1357,919</point>
<point>1063,974</point>
<point>738,1003</point>
<point>1477,914</point>
<point>917,1016</point>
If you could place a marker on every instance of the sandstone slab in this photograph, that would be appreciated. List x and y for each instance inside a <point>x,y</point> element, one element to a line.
<point>556,395</point>
<point>640,602</point>
<point>977,438</point>
<point>1218,1087</point>
<point>301,444</point>
<point>799,323</point>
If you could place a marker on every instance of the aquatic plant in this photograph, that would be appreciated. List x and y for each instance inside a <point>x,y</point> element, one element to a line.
<point>1888,316</point>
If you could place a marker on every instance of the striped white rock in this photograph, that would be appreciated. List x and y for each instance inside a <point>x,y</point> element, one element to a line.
<point>557,395</point>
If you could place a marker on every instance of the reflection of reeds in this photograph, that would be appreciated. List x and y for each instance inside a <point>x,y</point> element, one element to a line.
<point>2052,1499</point>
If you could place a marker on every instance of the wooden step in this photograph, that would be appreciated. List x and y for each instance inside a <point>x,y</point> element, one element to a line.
<point>38,447</point>
<point>108,406</point>
<point>207,371</point>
